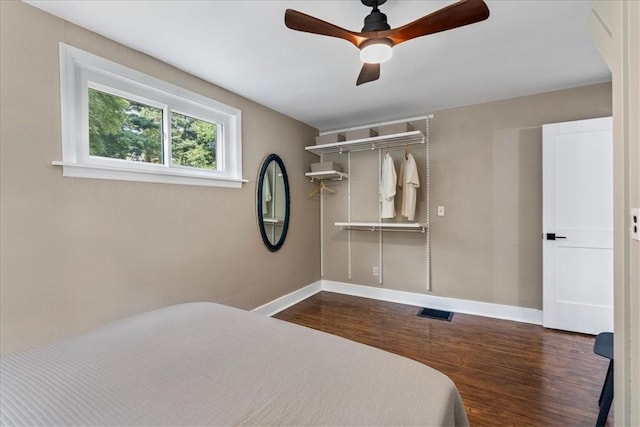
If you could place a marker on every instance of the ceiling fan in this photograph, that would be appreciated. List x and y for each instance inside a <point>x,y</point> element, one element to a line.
<point>377,39</point>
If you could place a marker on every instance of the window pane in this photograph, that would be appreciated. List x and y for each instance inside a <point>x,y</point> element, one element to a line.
<point>120,128</point>
<point>193,142</point>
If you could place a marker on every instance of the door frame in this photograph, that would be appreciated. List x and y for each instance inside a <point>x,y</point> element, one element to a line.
<point>615,29</point>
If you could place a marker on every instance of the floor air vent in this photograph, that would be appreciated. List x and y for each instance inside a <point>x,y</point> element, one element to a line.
<point>436,314</point>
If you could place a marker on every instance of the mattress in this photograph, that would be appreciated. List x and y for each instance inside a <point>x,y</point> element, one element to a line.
<point>208,364</point>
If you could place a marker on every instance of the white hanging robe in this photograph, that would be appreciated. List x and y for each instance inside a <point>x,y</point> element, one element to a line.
<point>409,182</point>
<point>388,189</point>
<point>266,194</point>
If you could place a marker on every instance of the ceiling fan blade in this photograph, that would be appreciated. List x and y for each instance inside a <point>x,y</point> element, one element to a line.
<point>369,73</point>
<point>309,24</point>
<point>456,15</point>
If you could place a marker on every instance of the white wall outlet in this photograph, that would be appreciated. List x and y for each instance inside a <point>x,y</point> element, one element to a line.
<point>440,210</point>
<point>375,270</point>
<point>635,224</point>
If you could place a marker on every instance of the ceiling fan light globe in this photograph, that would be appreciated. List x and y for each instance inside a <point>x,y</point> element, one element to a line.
<point>376,52</point>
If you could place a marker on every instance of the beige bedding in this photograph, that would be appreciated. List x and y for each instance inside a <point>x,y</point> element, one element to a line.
<point>207,364</point>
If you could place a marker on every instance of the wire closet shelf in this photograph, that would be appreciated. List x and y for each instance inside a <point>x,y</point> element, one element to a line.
<point>371,143</point>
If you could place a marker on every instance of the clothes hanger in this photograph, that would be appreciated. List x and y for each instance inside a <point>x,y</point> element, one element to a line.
<point>321,187</point>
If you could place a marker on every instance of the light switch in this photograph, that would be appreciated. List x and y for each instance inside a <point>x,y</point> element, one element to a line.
<point>635,224</point>
<point>440,210</point>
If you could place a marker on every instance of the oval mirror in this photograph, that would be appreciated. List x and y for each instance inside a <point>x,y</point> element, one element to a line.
<point>273,202</point>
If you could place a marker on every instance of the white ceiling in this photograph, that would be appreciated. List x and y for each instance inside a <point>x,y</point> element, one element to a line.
<point>524,47</point>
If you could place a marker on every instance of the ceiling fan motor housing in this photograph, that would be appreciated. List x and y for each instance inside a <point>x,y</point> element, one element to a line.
<point>376,20</point>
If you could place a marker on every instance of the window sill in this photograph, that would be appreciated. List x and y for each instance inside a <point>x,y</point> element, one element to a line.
<point>168,176</point>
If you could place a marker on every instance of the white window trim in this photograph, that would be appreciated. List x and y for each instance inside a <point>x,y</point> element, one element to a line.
<point>80,70</point>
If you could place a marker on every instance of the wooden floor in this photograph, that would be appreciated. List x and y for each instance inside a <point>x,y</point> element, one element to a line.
<point>508,373</point>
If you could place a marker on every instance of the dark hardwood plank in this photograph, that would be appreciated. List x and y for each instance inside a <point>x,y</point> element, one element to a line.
<point>508,373</point>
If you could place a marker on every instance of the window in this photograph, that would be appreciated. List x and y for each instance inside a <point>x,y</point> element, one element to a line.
<point>193,142</point>
<point>120,124</point>
<point>120,128</point>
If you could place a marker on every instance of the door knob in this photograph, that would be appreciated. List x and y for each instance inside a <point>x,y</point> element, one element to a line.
<point>552,236</point>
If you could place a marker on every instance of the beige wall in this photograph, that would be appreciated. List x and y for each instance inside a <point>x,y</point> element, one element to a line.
<point>76,253</point>
<point>486,164</point>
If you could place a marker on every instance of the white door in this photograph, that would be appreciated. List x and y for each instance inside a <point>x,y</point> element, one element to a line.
<point>577,226</point>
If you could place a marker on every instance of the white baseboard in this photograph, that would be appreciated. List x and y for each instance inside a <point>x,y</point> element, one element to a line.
<point>496,311</point>
<point>485,309</point>
<point>286,301</point>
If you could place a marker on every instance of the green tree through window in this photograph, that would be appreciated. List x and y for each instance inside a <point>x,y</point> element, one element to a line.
<point>193,142</point>
<point>123,129</point>
<point>120,128</point>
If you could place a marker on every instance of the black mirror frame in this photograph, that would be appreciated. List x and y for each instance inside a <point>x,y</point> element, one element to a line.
<point>287,212</point>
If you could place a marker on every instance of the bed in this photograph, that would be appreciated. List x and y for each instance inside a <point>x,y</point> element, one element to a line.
<point>209,364</point>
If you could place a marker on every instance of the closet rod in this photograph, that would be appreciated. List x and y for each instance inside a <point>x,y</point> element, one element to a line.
<point>387,122</point>
<point>385,230</point>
